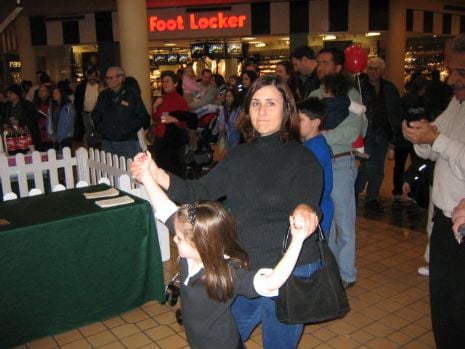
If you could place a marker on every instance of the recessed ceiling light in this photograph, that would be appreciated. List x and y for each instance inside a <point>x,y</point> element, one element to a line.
<point>260,44</point>
<point>372,34</point>
<point>248,38</point>
<point>170,44</point>
<point>329,37</point>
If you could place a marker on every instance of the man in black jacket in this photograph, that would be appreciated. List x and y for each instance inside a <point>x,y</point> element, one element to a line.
<point>384,111</point>
<point>118,115</point>
<point>304,61</point>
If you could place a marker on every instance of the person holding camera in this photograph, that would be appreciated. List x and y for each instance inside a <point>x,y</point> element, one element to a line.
<point>213,265</point>
<point>413,108</point>
<point>442,141</point>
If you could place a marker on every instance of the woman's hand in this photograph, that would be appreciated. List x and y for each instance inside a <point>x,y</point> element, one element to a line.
<point>158,174</point>
<point>303,222</point>
<point>157,103</point>
<point>169,119</point>
<point>419,132</point>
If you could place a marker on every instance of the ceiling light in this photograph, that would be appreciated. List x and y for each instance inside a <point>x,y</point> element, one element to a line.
<point>260,44</point>
<point>248,38</point>
<point>170,44</point>
<point>372,34</point>
<point>284,39</point>
<point>329,37</point>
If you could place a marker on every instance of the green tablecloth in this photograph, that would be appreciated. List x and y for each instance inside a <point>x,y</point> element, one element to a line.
<point>65,262</point>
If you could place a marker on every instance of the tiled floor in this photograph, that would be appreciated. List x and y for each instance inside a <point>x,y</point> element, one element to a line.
<point>390,306</point>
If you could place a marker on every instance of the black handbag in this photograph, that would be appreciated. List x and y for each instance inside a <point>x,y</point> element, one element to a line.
<point>320,297</point>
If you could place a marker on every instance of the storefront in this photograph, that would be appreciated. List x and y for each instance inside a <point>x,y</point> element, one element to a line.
<point>220,35</point>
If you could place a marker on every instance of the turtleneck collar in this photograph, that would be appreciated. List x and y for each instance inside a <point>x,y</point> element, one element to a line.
<point>268,140</point>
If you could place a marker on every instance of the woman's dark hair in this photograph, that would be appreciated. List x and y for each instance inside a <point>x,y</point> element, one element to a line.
<point>287,66</point>
<point>293,80</point>
<point>64,97</point>
<point>212,230</point>
<point>171,74</point>
<point>236,102</point>
<point>251,74</point>
<point>65,86</point>
<point>219,80</point>
<point>37,101</point>
<point>290,122</point>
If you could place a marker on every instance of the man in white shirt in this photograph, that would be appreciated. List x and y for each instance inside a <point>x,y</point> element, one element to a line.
<point>85,100</point>
<point>443,141</point>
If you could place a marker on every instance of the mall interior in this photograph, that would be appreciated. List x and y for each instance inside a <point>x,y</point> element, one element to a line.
<point>390,303</point>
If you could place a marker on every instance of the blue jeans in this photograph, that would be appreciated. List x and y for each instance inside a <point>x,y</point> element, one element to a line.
<point>342,237</point>
<point>248,313</point>
<point>371,170</point>
<point>128,149</point>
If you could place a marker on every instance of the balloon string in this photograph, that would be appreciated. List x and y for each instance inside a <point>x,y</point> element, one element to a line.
<point>359,86</point>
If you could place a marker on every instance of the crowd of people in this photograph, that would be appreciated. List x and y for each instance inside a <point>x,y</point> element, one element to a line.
<point>262,121</point>
<point>45,110</point>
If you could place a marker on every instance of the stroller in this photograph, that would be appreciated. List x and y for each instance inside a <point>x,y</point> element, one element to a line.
<point>197,154</point>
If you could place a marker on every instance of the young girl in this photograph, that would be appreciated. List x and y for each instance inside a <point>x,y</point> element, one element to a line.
<point>229,112</point>
<point>213,264</point>
<point>63,118</point>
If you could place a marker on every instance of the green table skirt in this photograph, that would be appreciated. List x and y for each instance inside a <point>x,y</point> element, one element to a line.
<point>65,263</point>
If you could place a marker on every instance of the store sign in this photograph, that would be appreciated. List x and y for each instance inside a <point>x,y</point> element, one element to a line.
<point>196,22</point>
<point>15,64</point>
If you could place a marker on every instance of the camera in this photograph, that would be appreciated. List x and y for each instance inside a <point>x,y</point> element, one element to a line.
<point>172,291</point>
<point>415,114</point>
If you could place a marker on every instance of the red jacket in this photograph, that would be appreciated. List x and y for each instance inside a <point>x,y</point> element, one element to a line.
<point>171,102</point>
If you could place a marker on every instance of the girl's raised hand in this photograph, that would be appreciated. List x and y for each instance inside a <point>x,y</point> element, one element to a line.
<point>141,165</point>
<point>303,222</point>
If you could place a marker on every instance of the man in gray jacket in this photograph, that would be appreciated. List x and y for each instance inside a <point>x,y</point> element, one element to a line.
<point>340,139</point>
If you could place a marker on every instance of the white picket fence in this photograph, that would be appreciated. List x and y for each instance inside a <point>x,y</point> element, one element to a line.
<point>88,167</point>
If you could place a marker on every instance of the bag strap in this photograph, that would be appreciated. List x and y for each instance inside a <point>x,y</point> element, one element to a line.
<point>321,238</point>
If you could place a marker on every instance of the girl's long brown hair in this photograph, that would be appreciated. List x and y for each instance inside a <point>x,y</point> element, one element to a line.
<point>290,124</point>
<point>212,230</point>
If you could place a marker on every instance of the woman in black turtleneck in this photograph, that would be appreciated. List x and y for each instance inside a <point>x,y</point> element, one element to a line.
<point>263,181</point>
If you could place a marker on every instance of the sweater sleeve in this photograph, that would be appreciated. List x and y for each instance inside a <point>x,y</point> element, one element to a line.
<point>308,184</point>
<point>209,187</point>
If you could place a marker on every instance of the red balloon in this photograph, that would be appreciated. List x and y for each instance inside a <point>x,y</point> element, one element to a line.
<point>355,59</point>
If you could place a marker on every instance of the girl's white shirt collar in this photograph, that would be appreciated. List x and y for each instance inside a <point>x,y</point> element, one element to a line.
<point>193,268</point>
